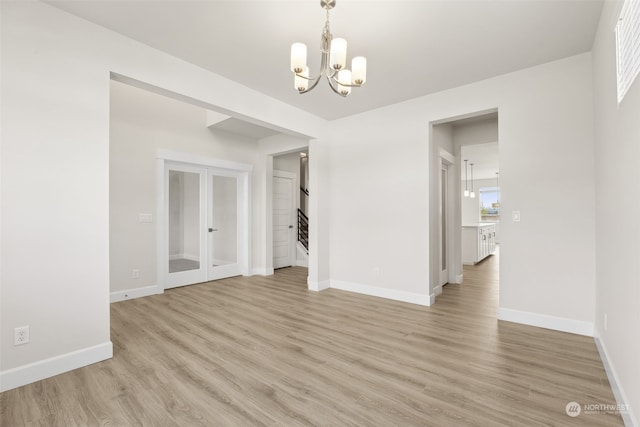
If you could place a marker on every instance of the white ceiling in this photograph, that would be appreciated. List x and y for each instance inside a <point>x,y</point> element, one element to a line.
<point>413,48</point>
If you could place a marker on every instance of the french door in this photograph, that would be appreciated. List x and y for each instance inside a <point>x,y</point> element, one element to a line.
<point>205,212</point>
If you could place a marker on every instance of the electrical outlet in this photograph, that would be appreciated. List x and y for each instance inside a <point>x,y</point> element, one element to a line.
<point>21,335</point>
<point>135,274</point>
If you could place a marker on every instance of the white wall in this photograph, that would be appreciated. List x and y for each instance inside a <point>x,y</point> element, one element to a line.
<point>545,109</point>
<point>617,136</point>
<point>477,132</point>
<point>287,162</point>
<point>320,210</point>
<point>141,123</point>
<point>443,137</point>
<point>55,240</point>
<point>55,159</point>
<point>470,209</point>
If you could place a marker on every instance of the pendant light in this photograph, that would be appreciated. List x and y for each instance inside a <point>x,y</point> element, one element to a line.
<point>473,193</point>
<point>466,180</point>
<point>497,203</point>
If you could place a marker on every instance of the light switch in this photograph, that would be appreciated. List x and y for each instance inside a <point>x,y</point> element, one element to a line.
<point>515,216</point>
<point>146,217</point>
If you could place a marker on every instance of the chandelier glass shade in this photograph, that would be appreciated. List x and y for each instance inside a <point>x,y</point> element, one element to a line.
<point>333,62</point>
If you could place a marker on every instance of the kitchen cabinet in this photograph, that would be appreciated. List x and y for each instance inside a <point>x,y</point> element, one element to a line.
<point>478,242</point>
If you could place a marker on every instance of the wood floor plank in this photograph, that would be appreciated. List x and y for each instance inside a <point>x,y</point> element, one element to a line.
<point>265,351</point>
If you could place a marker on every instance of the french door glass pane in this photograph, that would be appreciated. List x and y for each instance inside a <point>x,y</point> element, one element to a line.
<point>224,192</point>
<point>184,221</point>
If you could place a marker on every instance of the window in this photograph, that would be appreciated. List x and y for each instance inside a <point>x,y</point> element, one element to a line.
<point>628,46</point>
<point>490,204</point>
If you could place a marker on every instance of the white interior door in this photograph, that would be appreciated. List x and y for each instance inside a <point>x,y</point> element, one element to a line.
<point>186,215</point>
<point>283,219</point>
<point>223,230</point>
<point>206,216</point>
<point>443,225</point>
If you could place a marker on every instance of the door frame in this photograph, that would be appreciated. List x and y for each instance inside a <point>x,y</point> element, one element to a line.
<point>244,174</point>
<point>443,235</point>
<point>448,159</point>
<point>295,196</point>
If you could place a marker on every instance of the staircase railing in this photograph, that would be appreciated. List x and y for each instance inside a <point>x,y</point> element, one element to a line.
<point>303,229</point>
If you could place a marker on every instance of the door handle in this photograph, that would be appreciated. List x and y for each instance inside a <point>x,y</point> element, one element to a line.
<point>212,229</point>
<point>291,226</point>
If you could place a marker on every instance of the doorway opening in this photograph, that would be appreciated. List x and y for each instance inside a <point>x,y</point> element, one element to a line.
<point>465,196</point>
<point>290,214</point>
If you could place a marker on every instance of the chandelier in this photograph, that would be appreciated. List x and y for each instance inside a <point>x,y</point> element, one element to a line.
<point>333,62</point>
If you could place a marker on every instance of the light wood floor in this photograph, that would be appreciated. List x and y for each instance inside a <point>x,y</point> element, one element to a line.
<point>265,351</point>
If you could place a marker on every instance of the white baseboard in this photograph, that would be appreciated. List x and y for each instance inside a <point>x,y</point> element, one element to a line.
<point>459,278</point>
<point>437,290</point>
<point>190,257</point>
<point>27,374</point>
<point>134,293</point>
<point>628,416</point>
<point>421,299</point>
<point>318,286</point>
<point>262,271</point>
<point>545,321</point>
<point>302,263</point>
<point>217,261</point>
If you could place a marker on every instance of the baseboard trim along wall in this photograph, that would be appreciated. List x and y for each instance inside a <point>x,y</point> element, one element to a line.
<point>27,374</point>
<point>318,286</point>
<point>421,299</point>
<point>545,321</point>
<point>302,263</point>
<point>628,415</point>
<point>134,293</point>
<point>261,271</point>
